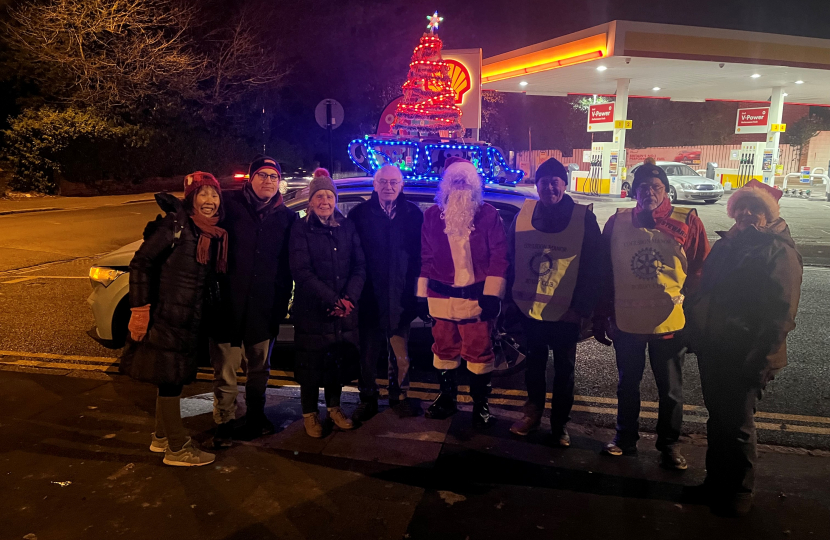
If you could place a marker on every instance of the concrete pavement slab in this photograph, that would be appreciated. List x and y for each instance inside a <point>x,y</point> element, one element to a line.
<point>411,442</point>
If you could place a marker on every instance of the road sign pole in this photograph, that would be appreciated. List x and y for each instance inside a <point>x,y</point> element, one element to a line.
<point>328,128</point>
<point>329,115</point>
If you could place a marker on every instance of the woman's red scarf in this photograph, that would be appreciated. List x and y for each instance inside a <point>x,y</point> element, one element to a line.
<point>209,231</point>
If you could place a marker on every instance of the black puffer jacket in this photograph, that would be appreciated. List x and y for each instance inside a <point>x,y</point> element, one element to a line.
<point>393,261</point>
<point>257,287</point>
<point>327,263</point>
<point>164,273</point>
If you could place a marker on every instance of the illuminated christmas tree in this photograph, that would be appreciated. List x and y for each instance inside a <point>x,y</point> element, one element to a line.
<point>428,107</point>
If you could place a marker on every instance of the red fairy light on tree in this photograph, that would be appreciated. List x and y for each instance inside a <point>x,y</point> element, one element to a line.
<point>428,107</point>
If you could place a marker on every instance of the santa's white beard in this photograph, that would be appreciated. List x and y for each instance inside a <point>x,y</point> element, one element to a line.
<point>459,213</point>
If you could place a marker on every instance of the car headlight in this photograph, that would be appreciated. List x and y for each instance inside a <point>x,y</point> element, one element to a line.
<point>104,276</point>
<point>686,185</point>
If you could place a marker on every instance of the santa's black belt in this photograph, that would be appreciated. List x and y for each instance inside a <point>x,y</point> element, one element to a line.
<point>470,292</point>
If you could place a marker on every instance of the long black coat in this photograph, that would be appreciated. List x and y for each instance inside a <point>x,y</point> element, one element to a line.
<point>327,263</point>
<point>257,288</point>
<point>393,258</point>
<point>164,273</point>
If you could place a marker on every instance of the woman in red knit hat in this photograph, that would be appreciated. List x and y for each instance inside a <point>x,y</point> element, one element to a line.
<point>172,286</point>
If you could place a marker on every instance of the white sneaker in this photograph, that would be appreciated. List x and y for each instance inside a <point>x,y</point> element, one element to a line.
<point>158,445</point>
<point>188,456</point>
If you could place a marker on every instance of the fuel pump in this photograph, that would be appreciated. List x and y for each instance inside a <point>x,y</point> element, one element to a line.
<point>750,163</point>
<point>604,174</point>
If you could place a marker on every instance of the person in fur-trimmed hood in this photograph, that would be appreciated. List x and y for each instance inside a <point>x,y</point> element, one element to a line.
<point>463,279</point>
<point>738,321</point>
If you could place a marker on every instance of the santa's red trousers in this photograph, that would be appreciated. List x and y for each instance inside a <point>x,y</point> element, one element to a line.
<point>459,340</point>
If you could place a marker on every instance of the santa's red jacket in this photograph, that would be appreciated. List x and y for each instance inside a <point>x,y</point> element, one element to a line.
<point>462,262</point>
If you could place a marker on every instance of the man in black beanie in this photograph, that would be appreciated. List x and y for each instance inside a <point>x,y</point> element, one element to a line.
<point>254,295</point>
<point>553,248</point>
<point>655,256</point>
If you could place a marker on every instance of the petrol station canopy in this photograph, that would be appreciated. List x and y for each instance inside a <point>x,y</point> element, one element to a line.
<point>681,63</point>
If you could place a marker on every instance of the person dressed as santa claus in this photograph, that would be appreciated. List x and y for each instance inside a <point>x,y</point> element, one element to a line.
<point>462,281</point>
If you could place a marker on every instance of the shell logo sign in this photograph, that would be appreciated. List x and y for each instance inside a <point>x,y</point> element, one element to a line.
<point>460,77</point>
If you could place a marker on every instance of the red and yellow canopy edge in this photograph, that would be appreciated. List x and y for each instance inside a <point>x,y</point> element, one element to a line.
<point>581,50</point>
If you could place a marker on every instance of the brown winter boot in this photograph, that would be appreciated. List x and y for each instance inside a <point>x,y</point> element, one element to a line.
<point>339,419</point>
<point>531,421</point>
<point>313,427</point>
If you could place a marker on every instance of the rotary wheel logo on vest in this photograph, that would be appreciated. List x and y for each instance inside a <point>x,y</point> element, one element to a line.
<point>647,263</point>
<point>541,264</point>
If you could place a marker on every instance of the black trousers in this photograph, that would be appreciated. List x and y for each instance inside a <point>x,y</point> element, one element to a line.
<point>310,393</point>
<point>560,338</point>
<point>666,357</point>
<point>731,398</point>
<point>170,390</point>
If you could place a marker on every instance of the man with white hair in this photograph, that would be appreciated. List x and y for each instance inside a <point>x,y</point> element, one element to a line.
<point>463,279</point>
<point>389,227</point>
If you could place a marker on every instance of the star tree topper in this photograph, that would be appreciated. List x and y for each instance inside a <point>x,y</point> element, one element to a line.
<point>434,21</point>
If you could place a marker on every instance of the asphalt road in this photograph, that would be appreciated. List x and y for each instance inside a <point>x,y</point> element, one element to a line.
<point>45,257</point>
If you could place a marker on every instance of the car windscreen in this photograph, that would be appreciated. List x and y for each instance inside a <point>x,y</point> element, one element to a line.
<point>685,170</point>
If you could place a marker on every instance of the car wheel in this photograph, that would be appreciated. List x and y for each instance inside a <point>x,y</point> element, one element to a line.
<point>710,201</point>
<point>672,194</point>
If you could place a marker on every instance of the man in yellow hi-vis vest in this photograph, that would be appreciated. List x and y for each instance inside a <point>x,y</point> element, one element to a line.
<point>554,251</point>
<point>656,255</point>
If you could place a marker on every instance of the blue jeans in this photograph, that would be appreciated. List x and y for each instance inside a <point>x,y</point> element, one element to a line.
<point>666,357</point>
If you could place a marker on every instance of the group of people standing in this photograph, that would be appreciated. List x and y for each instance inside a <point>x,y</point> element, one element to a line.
<point>219,270</point>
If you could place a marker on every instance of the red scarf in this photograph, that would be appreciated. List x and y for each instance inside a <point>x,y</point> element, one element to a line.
<point>209,230</point>
<point>663,221</point>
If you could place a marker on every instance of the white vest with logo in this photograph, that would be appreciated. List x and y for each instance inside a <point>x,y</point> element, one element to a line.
<point>649,272</point>
<point>546,264</point>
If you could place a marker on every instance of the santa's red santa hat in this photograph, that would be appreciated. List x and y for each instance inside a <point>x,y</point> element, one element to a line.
<point>765,194</point>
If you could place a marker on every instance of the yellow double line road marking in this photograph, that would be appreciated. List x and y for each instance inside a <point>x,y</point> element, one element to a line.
<point>500,396</point>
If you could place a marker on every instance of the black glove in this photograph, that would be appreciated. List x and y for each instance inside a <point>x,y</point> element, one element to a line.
<point>601,325</point>
<point>490,307</point>
<point>423,310</point>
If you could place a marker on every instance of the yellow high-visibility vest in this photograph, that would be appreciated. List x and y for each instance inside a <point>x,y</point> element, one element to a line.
<point>649,272</point>
<point>546,264</point>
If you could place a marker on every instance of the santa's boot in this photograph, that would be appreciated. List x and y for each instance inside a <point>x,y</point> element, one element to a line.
<point>480,391</point>
<point>444,405</point>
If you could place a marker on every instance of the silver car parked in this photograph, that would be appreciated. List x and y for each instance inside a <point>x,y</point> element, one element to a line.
<point>686,184</point>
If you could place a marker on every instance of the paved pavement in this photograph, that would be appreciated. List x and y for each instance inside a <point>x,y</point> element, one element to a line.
<point>75,465</point>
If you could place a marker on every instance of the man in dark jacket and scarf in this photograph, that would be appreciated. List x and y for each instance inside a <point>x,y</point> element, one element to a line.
<point>255,293</point>
<point>554,247</point>
<point>389,227</point>
<point>655,253</point>
<point>738,325</point>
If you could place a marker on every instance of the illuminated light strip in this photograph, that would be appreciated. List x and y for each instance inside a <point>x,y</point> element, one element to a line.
<point>587,57</point>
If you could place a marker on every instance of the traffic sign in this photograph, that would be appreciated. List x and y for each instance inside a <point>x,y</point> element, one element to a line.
<point>329,114</point>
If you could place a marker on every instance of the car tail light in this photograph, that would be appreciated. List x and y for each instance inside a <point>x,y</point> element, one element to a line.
<point>240,176</point>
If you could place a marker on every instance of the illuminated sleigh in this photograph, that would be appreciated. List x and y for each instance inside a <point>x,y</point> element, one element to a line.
<point>424,160</point>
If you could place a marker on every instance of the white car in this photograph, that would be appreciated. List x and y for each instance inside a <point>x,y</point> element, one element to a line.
<point>685,183</point>
<point>110,276</point>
